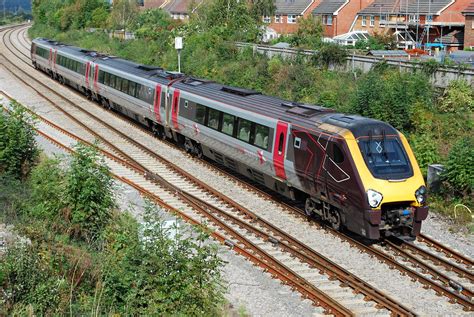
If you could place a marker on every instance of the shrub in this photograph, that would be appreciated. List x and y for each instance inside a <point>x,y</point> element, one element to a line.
<point>47,189</point>
<point>459,172</point>
<point>390,96</point>
<point>18,150</point>
<point>89,193</point>
<point>425,150</point>
<point>331,55</point>
<point>152,270</point>
<point>457,98</point>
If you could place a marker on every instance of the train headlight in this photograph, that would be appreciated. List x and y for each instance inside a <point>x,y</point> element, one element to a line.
<point>420,195</point>
<point>374,198</point>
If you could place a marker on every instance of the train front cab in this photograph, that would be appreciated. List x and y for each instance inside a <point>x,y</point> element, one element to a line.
<point>394,188</point>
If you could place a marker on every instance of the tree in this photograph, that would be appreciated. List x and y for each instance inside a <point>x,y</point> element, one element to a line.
<point>259,8</point>
<point>18,148</point>
<point>89,193</point>
<point>309,33</point>
<point>123,14</point>
<point>330,54</point>
<point>386,94</point>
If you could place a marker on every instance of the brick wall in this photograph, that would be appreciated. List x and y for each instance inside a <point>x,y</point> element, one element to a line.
<point>284,27</point>
<point>469,31</point>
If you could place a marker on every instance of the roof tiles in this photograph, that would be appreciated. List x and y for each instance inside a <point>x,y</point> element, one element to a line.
<point>329,6</point>
<point>292,6</point>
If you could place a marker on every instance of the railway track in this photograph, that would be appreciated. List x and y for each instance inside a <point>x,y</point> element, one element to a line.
<point>445,276</point>
<point>311,274</point>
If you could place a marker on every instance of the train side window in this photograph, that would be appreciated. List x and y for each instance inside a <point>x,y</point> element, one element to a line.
<point>101,77</point>
<point>118,83</point>
<point>132,88</point>
<point>280,143</point>
<point>112,81</point>
<point>261,136</point>
<point>200,114</point>
<point>338,155</point>
<point>228,124</point>
<point>213,121</point>
<point>243,130</point>
<point>106,78</point>
<point>125,85</point>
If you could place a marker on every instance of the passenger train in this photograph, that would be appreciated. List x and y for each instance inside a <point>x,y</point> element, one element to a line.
<point>353,172</point>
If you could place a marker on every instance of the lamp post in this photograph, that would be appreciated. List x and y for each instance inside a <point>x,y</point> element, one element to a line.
<point>178,45</point>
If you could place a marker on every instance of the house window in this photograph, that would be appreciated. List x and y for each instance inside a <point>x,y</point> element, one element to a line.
<point>327,19</point>
<point>277,18</point>
<point>472,26</point>
<point>267,19</point>
<point>364,20</point>
<point>372,20</point>
<point>291,18</point>
<point>383,18</point>
<point>429,18</point>
<point>414,18</point>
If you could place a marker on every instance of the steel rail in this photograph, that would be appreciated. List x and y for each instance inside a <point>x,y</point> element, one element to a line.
<point>449,252</point>
<point>460,271</point>
<point>436,274</point>
<point>241,209</point>
<point>260,256</point>
<point>299,212</point>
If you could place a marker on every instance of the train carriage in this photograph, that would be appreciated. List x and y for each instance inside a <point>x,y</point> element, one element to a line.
<point>354,172</point>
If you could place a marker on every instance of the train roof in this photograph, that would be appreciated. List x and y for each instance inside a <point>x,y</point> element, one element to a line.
<point>303,115</point>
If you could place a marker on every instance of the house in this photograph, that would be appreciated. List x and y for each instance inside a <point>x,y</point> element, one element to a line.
<point>178,9</point>
<point>468,13</point>
<point>287,14</point>
<point>337,15</point>
<point>433,23</point>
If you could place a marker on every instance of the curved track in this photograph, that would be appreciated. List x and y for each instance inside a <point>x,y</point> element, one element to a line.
<point>313,275</point>
<point>447,276</point>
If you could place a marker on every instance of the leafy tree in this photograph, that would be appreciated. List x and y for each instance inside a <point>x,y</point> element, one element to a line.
<point>18,149</point>
<point>89,193</point>
<point>458,98</point>
<point>330,54</point>
<point>459,173</point>
<point>228,19</point>
<point>259,8</point>
<point>123,14</point>
<point>154,24</point>
<point>309,33</point>
<point>389,95</point>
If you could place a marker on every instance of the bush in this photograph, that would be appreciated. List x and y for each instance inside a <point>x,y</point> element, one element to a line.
<point>457,98</point>
<point>388,95</point>
<point>18,150</point>
<point>48,186</point>
<point>459,172</point>
<point>331,55</point>
<point>152,270</point>
<point>89,193</point>
<point>425,149</point>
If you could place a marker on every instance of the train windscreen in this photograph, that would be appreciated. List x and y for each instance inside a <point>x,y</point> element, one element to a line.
<point>386,158</point>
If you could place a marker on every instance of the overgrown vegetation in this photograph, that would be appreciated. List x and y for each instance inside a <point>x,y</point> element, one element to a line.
<point>83,256</point>
<point>433,120</point>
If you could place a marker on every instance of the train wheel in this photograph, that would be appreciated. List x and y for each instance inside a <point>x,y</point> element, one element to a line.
<point>309,207</point>
<point>335,219</point>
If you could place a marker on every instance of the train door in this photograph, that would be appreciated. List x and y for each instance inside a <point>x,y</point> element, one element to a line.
<point>175,109</point>
<point>320,177</point>
<point>86,75</point>
<point>157,103</point>
<point>279,149</point>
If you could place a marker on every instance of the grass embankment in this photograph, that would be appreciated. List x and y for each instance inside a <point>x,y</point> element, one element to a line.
<point>85,257</point>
